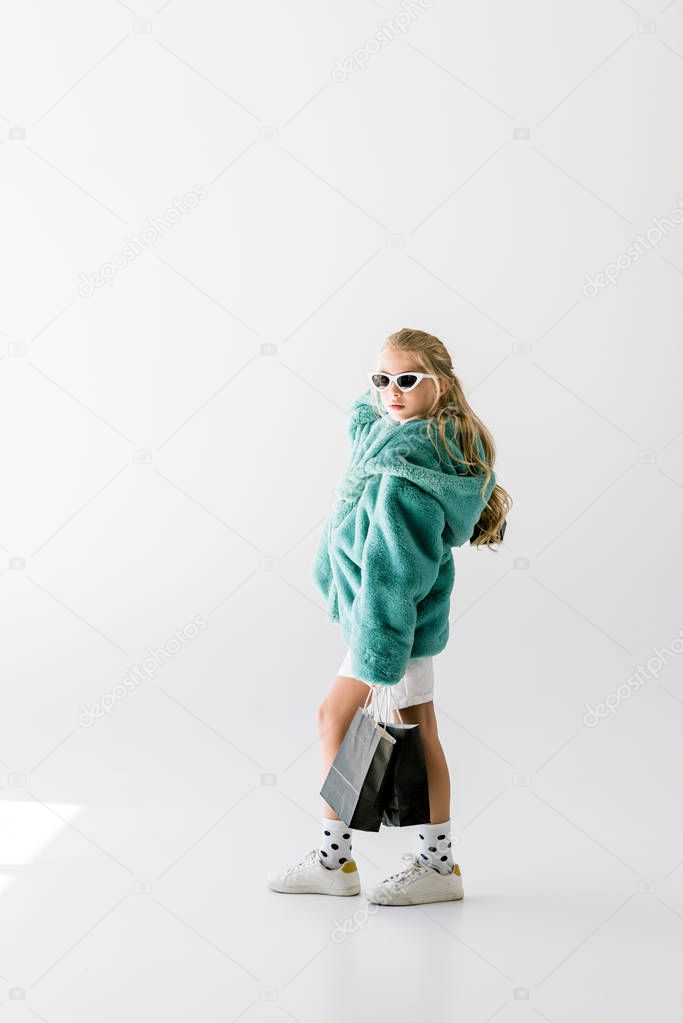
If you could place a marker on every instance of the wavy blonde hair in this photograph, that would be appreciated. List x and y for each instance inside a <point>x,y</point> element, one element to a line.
<point>477,446</point>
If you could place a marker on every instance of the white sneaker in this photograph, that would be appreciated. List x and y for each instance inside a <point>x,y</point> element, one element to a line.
<point>416,884</point>
<point>310,877</point>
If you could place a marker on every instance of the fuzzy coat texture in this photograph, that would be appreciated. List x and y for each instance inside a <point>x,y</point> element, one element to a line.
<point>384,561</point>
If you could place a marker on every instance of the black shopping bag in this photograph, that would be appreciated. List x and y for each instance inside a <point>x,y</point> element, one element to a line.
<point>354,786</point>
<point>406,789</point>
<point>406,785</point>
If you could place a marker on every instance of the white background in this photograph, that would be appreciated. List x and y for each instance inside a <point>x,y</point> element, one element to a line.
<point>170,445</point>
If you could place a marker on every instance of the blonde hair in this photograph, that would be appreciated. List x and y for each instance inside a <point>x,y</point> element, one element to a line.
<point>476,442</point>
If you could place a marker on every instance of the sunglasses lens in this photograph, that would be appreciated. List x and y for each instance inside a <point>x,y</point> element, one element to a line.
<point>407,381</point>
<point>380,381</point>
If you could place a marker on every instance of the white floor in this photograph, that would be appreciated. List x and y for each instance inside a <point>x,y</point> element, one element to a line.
<point>117,906</point>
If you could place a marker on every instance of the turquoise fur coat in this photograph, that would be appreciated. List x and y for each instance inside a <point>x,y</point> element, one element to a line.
<point>384,562</point>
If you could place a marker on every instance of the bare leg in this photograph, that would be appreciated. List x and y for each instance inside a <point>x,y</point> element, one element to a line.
<point>422,714</point>
<point>335,714</point>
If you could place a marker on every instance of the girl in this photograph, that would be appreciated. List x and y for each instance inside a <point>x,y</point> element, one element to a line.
<point>419,481</point>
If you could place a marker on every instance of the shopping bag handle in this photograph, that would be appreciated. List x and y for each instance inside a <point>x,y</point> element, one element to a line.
<point>374,699</point>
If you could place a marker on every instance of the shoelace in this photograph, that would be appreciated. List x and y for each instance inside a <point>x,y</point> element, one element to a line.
<point>308,858</point>
<point>403,876</point>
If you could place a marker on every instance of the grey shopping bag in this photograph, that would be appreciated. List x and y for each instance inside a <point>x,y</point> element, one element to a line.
<point>354,786</point>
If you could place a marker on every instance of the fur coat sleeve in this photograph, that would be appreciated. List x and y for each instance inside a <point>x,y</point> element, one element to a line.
<point>400,563</point>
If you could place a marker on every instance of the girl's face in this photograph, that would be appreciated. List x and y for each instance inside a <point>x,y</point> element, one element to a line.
<point>410,404</point>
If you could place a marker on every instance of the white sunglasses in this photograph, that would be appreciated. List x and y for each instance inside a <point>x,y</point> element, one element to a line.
<point>404,381</point>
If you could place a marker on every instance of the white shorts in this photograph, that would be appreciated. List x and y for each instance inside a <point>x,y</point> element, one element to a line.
<point>416,686</point>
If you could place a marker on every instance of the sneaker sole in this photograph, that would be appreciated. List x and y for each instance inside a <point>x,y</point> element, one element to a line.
<point>456,897</point>
<point>313,890</point>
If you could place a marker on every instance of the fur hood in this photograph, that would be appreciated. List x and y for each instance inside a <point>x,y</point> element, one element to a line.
<point>381,444</point>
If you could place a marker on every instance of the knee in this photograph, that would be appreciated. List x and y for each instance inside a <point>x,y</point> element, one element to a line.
<point>331,717</point>
<point>326,716</point>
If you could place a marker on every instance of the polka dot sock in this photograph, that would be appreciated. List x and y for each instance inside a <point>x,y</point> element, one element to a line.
<point>335,844</point>
<point>435,846</point>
